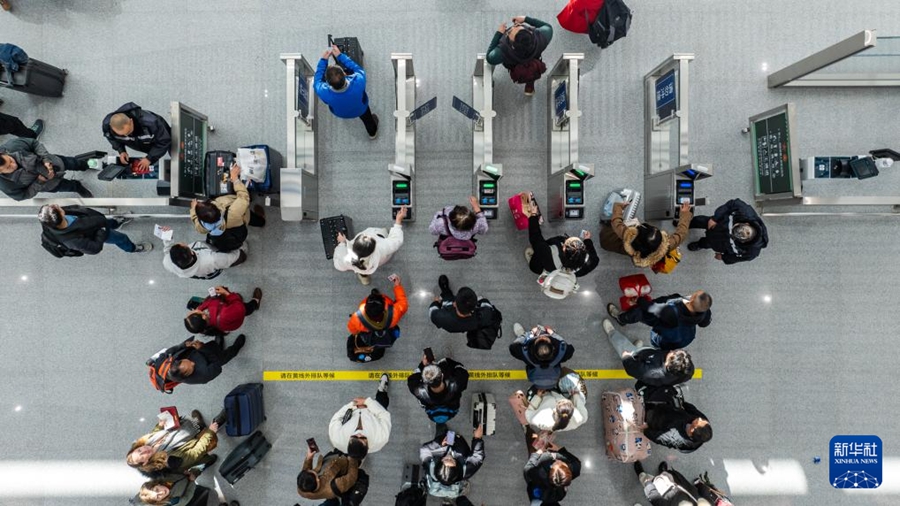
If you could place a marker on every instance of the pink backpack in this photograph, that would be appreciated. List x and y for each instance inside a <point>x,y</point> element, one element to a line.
<point>451,248</point>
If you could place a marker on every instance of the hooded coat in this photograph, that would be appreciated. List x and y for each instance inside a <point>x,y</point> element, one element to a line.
<point>719,239</point>
<point>618,238</point>
<point>30,155</point>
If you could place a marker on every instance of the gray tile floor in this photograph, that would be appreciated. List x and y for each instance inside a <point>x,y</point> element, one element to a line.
<point>780,378</point>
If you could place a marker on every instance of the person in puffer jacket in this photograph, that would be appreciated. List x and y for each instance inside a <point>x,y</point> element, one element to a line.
<point>464,223</point>
<point>735,232</point>
<point>644,243</point>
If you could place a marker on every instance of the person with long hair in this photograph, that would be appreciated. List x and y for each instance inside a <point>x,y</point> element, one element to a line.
<point>174,450</point>
<point>169,490</point>
<point>644,243</point>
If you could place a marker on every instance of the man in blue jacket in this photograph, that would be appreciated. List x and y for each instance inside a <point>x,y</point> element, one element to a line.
<point>345,94</point>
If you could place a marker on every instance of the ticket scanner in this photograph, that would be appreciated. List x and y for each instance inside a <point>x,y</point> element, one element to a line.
<point>403,169</point>
<point>669,177</point>
<point>486,174</point>
<point>566,176</point>
<point>299,194</point>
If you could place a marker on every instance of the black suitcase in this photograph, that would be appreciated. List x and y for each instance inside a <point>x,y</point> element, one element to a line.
<point>244,457</point>
<point>36,78</point>
<point>330,228</point>
<point>350,47</point>
<point>218,168</point>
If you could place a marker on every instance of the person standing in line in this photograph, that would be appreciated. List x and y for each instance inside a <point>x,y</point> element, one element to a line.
<point>519,49</point>
<point>182,450</point>
<point>735,232</point>
<point>461,222</point>
<point>650,366</point>
<point>576,254</point>
<point>375,325</point>
<point>369,249</point>
<point>199,363</point>
<point>199,260</point>
<point>463,312</point>
<point>363,425</point>
<point>334,476</point>
<point>143,131</point>
<point>548,474</point>
<point>543,352</point>
<point>224,219</point>
<point>672,422</point>
<point>27,168</point>
<point>438,386</point>
<point>672,318</point>
<point>644,243</point>
<point>222,313</point>
<point>344,94</point>
<point>448,465</point>
<point>85,230</point>
<point>669,487</point>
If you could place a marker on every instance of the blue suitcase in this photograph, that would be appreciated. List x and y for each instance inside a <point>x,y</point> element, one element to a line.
<point>244,409</point>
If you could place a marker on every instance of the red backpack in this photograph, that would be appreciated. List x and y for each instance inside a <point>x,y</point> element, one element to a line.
<point>451,248</point>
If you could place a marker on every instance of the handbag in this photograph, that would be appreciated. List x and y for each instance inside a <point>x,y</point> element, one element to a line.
<point>668,263</point>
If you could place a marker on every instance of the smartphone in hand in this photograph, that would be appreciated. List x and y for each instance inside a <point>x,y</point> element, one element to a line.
<point>212,291</point>
<point>429,355</point>
<point>311,444</point>
<point>451,437</point>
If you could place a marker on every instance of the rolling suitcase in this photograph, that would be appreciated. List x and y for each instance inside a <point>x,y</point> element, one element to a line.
<point>244,409</point>
<point>623,415</point>
<point>35,78</point>
<point>521,204</point>
<point>218,173</point>
<point>244,457</point>
<point>484,411</point>
<point>330,228</point>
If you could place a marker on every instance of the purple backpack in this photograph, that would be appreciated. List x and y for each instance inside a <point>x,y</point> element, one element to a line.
<point>451,248</point>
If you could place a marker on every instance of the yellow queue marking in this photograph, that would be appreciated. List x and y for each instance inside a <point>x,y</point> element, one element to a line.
<point>483,375</point>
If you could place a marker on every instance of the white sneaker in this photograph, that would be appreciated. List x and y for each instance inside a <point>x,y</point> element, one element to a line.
<point>365,280</point>
<point>529,252</point>
<point>518,329</point>
<point>384,383</point>
<point>608,326</point>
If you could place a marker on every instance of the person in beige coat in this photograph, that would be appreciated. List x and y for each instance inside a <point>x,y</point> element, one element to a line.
<point>224,219</point>
<point>644,243</point>
<point>333,476</point>
<point>175,450</point>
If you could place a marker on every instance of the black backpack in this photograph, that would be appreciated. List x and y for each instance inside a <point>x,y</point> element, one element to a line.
<point>56,248</point>
<point>612,23</point>
<point>378,338</point>
<point>483,338</point>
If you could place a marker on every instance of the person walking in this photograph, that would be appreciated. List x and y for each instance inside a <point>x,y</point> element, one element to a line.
<point>180,450</point>
<point>462,312</point>
<point>224,219</point>
<point>345,95</point>
<point>650,366</point>
<point>11,125</point>
<point>735,232</point>
<point>459,222</point>
<point>375,325</point>
<point>543,352</point>
<point>334,475</point>
<point>363,425</point>
<point>644,243</point>
<point>199,363</point>
<point>369,249</point>
<point>448,464</point>
<point>673,319</point>
<point>549,473</point>
<point>575,254</point>
<point>222,313</point>
<point>130,126</point>
<point>438,386</point>
<point>199,260</point>
<point>519,49</point>
<point>85,230</point>
<point>27,168</point>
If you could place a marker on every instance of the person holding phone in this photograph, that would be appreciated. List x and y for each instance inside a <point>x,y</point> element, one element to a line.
<point>330,478</point>
<point>519,49</point>
<point>369,249</point>
<point>362,425</point>
<point>448,463</point>
<point>375,325</point>
<point>438,385</point>
<point>222,312</point>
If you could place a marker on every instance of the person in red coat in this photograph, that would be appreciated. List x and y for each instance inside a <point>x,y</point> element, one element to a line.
<point>577,14</point>
<point>221,314</point>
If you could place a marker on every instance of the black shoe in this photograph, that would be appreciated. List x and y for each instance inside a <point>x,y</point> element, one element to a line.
<point>82,191</point>
<point>674,223</point>
<point>663,466</point>
<point>694,246</point>
<point>239,343</point>
<point>260,213</point>
<point>257,295</point>
<point>220,418</point>
<point>373,136</point>
<point>443,283</point>
<point>37,127</point>
<point>638,468</point>
<point>195,414</point>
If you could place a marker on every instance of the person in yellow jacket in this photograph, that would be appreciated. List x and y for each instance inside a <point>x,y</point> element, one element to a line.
<point>182,450</point>
<point>224,219</point>
<point>374,326</point>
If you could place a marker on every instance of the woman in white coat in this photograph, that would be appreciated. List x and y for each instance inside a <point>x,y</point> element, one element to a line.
<point>551,411</point>
<point>369,249</point>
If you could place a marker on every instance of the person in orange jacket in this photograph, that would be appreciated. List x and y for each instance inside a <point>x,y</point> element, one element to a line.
<point>374,326</point>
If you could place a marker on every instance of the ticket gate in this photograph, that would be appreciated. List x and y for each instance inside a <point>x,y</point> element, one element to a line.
<point>299,197</point>
<point>486,174</point>
<point>669,177</point>
<point>566,177</point>
<point>403,169</point>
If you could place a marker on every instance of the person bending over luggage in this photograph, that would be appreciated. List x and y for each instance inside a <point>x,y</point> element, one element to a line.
<point>551,411</point>
<point>374,326</point>
<point>650,366</point>
<point>463,312</point>
<point>344,94</point>
<point>548,474</point>
<point>735,232</point>
<point>543,352</point>
<point>669,487</point>
<point>221,314</point>
<point>672,318</point>
<point>85,230</point>
<point>224,219</point>
<point>199,363</point>
<point>199,260</point>
<point>439,387</point>
<point>27,168</point>
<point>333,476</point>
<point>370,249</point>
<point>185,450</point>
<point>363,425</point>
<point>459,221</point>
<point>448,466</point>
<point>575,254</point>
<point>519,49</point>
<point>672,422</point>
<point>143,131</point>
<point>644,243</point>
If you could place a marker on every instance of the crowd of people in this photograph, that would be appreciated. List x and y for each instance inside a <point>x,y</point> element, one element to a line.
<point>173,457</point>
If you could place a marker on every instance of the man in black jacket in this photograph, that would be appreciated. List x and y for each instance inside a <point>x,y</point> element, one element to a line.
<point>144,131</point>
<point>463,312</point>
<point>674,319</point>
<point>203,362</point>
<point>86,230</point>
<point>735,232</point>
<point>548,473</point>
<point>27,168</point>
<point>672,422</point>
<point>439,387</point>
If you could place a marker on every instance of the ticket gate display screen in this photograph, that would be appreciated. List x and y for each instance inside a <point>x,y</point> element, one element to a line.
<point>487,193</point>
<point>401,193</point>
<point>684,192</point>
<point>574,193</point>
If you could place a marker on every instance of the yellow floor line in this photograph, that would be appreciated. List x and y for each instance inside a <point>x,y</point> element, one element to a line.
<point>498,375</point>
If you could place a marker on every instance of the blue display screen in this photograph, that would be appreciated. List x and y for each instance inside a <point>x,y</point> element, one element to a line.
<point>685,184</point>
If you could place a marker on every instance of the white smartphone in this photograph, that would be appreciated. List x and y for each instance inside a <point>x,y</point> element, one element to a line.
<point>393,278</point>
<point>212,291</point>
<point>451,437</point>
